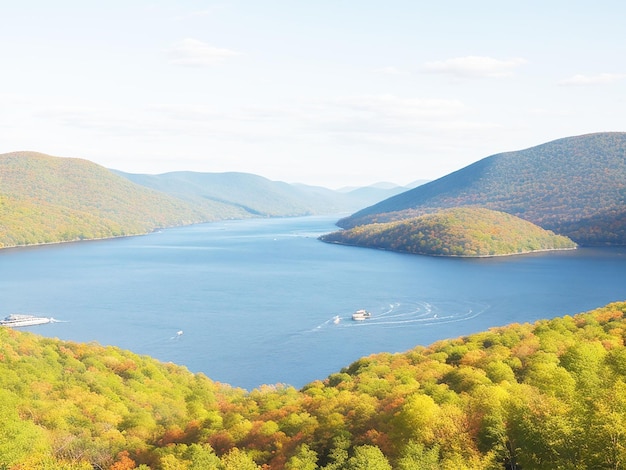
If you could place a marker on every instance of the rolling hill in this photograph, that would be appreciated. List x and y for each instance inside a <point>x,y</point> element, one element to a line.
<point>46,199</point>
<point>574,186</point>
<point>462,231</point>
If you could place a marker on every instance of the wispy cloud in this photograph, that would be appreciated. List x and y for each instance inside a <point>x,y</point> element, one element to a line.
<point>391,106</point>
<point>109,121</point>
<point>592,80</point>
<point>194,53</point>
<point>389,119</point>
<point>474,66</point>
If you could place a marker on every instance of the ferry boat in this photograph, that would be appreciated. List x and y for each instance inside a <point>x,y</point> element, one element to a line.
<point>18,319</point>
<point>361,315</point>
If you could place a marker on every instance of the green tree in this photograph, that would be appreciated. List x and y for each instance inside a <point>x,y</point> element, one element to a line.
<point>368,457</point>
<point>238,460</point>
<point>416,457</point>
<point>305,458</point>
<point>338,456</point>
<point>202,457</point>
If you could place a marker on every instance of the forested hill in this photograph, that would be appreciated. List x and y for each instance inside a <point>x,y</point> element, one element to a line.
<point>49,199</point>
<point>551,395</point>
<point>575,186</point>
<point>460,231</point>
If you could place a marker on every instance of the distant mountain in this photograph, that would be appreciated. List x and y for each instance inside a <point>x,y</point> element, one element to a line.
<point>46,199</point>
<point>464,231</point>
<point>384,185</point>
<point>574,186</point>
<point>250,195</point>
<point>416,183</point>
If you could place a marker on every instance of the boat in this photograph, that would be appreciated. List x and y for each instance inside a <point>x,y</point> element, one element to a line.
<point>361,315</point>
<point>336,320</point>
<point>18,319</point>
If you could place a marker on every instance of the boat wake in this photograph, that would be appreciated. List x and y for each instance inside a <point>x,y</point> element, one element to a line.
<point>178,334</point>
<point>402,314</point>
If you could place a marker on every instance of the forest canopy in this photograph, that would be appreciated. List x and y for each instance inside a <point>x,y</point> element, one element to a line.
<point>548,395</point>
<point>463,231</point>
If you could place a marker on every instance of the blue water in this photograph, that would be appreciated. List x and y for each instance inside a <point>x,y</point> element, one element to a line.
<point>255,299</point>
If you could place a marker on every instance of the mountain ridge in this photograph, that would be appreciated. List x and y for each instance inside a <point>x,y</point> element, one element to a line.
<point>258,196</point>
<point>574,186</point>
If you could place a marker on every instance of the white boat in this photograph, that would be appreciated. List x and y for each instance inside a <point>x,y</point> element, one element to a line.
<point>336,320</point>
<point>361,315</point>
<point>18,319</point>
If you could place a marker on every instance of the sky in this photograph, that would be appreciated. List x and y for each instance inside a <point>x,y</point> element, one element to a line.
<point>332,93</point>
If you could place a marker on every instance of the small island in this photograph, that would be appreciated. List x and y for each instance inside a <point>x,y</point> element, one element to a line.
<point>462,231</point>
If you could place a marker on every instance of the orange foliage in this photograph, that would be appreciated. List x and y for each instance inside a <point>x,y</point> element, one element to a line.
<point>124,462</point>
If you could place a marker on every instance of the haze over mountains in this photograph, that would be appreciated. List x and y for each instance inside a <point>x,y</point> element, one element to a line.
<point>249,195</point>
<point>575,186</point>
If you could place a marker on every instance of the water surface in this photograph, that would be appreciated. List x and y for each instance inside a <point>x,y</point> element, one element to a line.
<point>255,300</point>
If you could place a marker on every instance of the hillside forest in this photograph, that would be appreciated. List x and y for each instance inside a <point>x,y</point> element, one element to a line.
<point>575,186</point>
<point>549,395</point>
<point>462,231</point>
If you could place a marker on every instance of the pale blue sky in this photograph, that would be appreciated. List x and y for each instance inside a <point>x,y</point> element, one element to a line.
<point>332,93</point>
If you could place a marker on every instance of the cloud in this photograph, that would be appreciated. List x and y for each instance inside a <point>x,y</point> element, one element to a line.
<point>389,119</point>
<point>393,107</point>
<point>109,121</point>
<point>193,53</point>
<point>474,66</point>
<point>592,80</point>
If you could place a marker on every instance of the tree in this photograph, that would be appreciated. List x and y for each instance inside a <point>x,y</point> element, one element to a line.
<point>339,454</point>
<point>202,457</point>
<point>238,460</point>
<point>367,457</point>
<point>305,458</point>
<point>123,462</point>
<point>415,456</point>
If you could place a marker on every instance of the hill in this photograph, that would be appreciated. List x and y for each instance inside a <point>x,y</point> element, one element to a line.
<point>542,396</point>
<point>466,231</point>
<point>251,195</point>
<point>47,199</point>
<point>574,186</point>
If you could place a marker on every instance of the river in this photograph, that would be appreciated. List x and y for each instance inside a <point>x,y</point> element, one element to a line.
<point>253,302</point>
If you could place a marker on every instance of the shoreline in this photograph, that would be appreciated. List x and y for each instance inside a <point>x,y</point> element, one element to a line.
<point>78,240</point>
<point>519,253</point>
